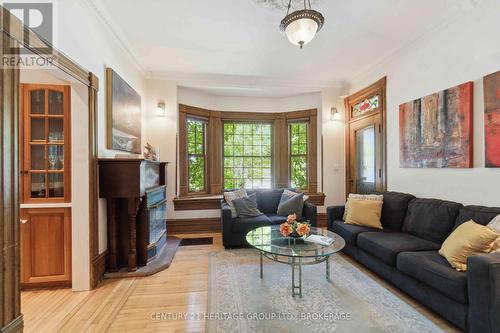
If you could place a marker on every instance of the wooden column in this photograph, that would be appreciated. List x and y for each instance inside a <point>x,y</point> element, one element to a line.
<point>133,206</point>
<point>97,266</point>
<point>280,146</point>
<point>11,319</point>
<point>215,152</point>
<point>313,152</point>
<point>112,235</point>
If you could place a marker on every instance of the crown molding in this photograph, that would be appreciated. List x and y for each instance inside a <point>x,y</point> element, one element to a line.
<point>103,15</point>
<point>247,82</point>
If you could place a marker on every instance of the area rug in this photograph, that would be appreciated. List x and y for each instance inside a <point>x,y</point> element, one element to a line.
<point>239,301</point>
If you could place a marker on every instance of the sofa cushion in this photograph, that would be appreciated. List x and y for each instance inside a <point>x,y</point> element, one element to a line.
<point>291,204</point>
<point>276,219</point>
<point>247,206</point>
<point>244,225</point>
<point>431,219</point>
<point>268,200</point>
<point>350,232</point>
<point>387,245</point>
<point>394,209</point>
<point>433,270</point>
<point>479,214</point>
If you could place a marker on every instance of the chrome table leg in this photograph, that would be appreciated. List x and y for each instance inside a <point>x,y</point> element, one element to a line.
<point>261,268</point>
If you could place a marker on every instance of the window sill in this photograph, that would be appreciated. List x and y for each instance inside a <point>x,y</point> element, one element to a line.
<point>213,202</point>
<point>198,203</point>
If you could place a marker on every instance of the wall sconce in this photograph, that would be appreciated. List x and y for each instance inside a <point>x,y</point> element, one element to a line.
<point>335,114</point>
<point>160,109</point>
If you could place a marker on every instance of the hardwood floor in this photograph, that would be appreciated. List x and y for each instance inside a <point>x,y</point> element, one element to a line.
<point>136,304</point>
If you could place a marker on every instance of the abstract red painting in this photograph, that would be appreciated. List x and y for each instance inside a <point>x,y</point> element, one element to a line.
<point>492,119</point>
<point>436,131</point>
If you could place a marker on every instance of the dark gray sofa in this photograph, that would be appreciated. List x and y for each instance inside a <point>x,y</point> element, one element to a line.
<point>405,253</point>
<point>234,230</point>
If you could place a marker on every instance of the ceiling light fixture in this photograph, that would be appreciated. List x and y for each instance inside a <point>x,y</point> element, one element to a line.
<point>302,25</point>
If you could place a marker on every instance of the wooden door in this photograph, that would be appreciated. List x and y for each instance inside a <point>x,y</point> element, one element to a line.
<point>365,140</point>
<point>364,159</point>
<point>45,247</point>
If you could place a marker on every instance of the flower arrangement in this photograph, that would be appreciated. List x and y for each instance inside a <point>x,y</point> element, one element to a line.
<point>293,228</point>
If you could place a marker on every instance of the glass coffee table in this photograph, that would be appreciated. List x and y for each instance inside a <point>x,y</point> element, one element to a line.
<point>294,251</point>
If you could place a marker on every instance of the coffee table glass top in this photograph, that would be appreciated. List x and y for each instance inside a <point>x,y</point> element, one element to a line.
<point>269,239</point>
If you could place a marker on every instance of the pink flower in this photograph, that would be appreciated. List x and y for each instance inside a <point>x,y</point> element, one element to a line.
<point>286,229</point>
<point>291,218</point>
<point>303,229</point>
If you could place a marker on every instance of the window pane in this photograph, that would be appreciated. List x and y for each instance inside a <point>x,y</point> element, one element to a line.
<point>365,106</point>
<point>298,155</point>
<point>38,101</point>
<point>298,172</point>
<point>196,154</point>
<point>247,155</point>
<point>55,102</point>
<point>196,174</point>
<point>56,185</point>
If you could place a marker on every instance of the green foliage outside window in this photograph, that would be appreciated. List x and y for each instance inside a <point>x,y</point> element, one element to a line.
<point>298,155</point>
<point>196,154</point>
<point>247,155</point>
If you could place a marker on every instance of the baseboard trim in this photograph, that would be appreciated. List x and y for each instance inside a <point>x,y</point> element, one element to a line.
<point>14,326</point>
<point>193,226</point>
<point>98,269</point>
<point>211,225</point>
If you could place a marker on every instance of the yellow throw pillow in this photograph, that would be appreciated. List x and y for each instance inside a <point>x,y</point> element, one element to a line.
<point>365,213</point>
<point>468,239</point>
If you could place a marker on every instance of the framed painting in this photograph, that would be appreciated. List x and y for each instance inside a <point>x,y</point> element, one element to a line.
<point>436,131</point>
<point>123,106</point>
<point>492,119</point>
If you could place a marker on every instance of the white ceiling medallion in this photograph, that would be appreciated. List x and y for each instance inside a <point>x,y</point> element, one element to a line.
<point>301,25</point>
<point>283,4</point>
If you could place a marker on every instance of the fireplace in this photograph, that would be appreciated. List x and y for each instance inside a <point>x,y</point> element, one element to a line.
<point>155,210</point>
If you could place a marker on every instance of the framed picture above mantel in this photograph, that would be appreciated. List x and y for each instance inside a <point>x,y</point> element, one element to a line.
<point>123,106</point>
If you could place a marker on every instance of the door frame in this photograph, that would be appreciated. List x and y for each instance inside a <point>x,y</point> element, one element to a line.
<point>13,33</point>
<point>377,88</point>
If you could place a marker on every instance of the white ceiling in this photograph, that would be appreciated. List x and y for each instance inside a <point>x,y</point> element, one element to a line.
<point>234,47</point>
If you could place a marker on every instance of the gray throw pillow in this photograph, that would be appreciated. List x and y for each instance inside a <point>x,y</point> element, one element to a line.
<point>291,204</point>
<point>247,206</point>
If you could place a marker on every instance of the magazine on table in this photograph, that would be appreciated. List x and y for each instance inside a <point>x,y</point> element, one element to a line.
<point>323,240</point>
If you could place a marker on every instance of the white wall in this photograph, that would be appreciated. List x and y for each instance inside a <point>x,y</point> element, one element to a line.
<point>84,36</point>
<point>464,50</point>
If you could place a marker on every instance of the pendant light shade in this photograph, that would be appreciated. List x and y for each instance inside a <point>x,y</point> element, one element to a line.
<point>301,26</point>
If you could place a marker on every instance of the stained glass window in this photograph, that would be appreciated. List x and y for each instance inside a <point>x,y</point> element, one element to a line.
<point>247,155</point>
<point>298,154</point>
<point>196,154</point>
<point>365,106</point>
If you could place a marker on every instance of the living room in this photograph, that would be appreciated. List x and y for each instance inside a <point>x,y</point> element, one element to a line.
<point>250,166</point>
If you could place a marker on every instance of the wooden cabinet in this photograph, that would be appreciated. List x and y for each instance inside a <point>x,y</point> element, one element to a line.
<point>45,247</point>
<point>45,148</point>
<point>45,178</point>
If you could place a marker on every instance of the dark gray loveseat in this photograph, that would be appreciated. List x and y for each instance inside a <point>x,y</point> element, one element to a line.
<point>406,254</point>
<point>234,230</point>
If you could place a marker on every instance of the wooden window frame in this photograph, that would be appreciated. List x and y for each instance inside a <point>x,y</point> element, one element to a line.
<point>290,155</point>
<point>214,137</point>
<point>248,122</point>
<point>204,155</point>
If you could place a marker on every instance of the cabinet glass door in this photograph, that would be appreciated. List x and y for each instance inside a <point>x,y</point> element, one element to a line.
<point>46,143</point>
